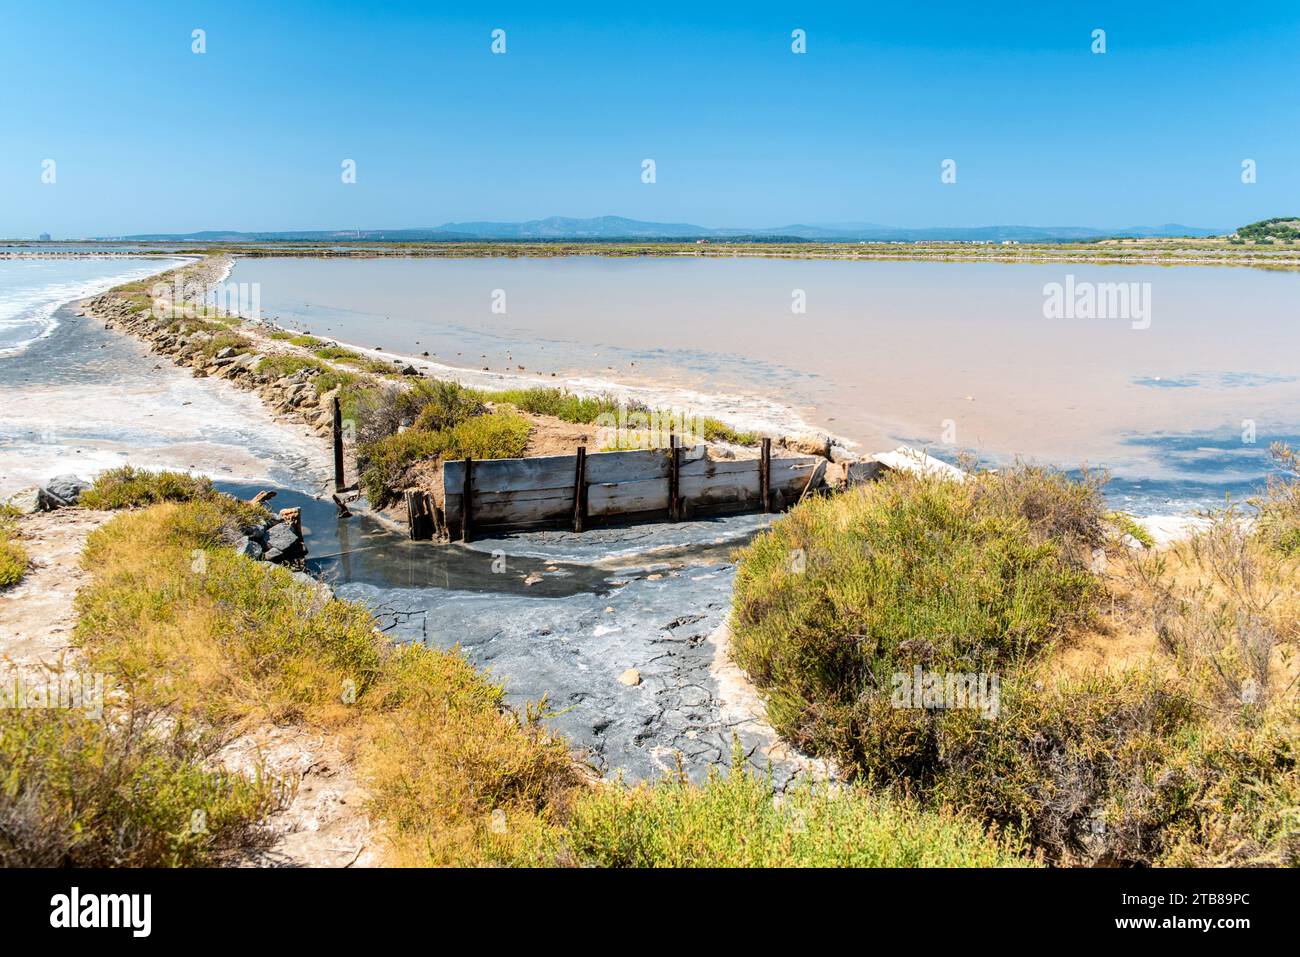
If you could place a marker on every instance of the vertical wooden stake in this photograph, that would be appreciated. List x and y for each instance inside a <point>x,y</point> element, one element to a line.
<point>339,482</point>
<point>765,475</point>
<point>580,490</point>
<point>465,499</point>
<point>674,480</point>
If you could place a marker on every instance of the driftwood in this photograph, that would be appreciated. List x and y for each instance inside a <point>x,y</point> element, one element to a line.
<point>262,497</point>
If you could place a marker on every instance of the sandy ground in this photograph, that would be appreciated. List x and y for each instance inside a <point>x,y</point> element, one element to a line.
<point>36,616</point>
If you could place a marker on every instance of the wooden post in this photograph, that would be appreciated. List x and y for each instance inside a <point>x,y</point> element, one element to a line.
<point>580,490</point>
<point>339,482</point>
<point>674,480</point>
<point>465,499</point>
<point>765,475</point>
<point>419,517</point>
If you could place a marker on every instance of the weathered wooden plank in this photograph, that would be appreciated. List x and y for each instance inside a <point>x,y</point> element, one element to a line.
<point>624,498</point>
<point>508,512</point>
<point>606,467</point>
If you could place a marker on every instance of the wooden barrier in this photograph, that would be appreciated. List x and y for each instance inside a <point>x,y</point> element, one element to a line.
<point>582,490</point>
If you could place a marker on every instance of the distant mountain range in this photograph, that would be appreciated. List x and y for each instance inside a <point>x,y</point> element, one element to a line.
<point>613,228</point>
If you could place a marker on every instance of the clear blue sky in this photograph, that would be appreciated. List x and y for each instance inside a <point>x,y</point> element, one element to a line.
<point>148,136</point>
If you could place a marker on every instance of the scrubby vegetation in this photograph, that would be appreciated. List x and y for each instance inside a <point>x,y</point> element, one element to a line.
<point>13,557</point>
<point>1186,758</point>
<point>734,821</point>
<point>1126,524</point>
<point>1277,520</point>
<point>211,643</point>
<point>1266,230</point>
<point>129,487</point>
<point>226,340</point>
<point>287,365</point>
<point>78,792</point>
<point>223,642</point>
<point>496,435</point>
<point>556,403</point>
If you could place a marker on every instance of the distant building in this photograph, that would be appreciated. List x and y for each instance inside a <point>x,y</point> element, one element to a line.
<point>44,237</point>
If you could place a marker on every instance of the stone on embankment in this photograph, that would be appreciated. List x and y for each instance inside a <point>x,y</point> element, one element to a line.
<point>62,491</point>
<point>283,544</point>
<point>631,678</point>
<point>808,444</point>
<point>25,501</point>
<point>249,548</point>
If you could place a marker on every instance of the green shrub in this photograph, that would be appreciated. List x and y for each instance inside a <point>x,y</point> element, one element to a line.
<point>13,557</point>
<point>1190,760</point>
<point>842,593</point>
<point>715,431</point>
<point>259,644</point>
<point>287,365</point>
<point>497,435</point>
<point>448,405</point>
<point>223,340</point>
<point>384,460</point>
<point>1277,521</point>
<point>78,792</point>
<point>1126,524</point>
<point>226,642</point>
<point>349,356</point>
<point>128,487</point>
<point>733,820</point>
<point>556,403</point>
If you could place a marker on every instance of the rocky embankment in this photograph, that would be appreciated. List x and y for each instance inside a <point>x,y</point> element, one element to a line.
<point>292,397</point>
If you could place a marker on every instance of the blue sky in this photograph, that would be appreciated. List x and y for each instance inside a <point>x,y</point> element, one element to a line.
<point>148,136</point>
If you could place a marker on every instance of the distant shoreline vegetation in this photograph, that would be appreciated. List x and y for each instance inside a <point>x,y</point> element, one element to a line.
<point>1284,228</point>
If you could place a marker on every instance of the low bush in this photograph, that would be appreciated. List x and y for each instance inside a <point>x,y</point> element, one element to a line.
<point>226,340</point>
<point>556,403</point>
<point>383,462</point>
<point>129,487</point>
<point>220,641</point>
<point>1188,758</point>
<point>286,365</point>
<point>712,430</point>
<point>733,820</point>
<point>13,557</point>
<point>447,405</point>
<point>166,590</point>
<point>353,358</point>
<point>80,792</point>
<point>496,435</point>
<point>842,593</point>
<point>1278,520</point>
